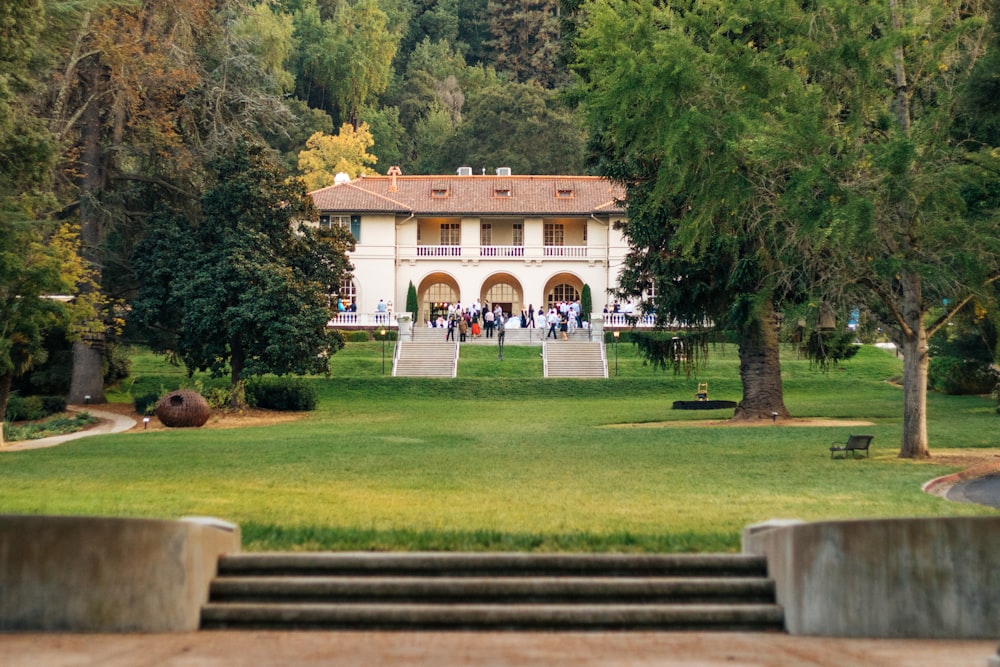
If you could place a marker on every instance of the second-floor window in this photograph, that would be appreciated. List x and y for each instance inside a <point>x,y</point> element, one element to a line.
<point>451,234</point>
<point>351,223</point>
<point>553,234</point>
<point>518,234</point>
<point>485,234</point>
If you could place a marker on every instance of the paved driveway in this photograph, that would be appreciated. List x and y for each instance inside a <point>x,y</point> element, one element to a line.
<point>980,490</point>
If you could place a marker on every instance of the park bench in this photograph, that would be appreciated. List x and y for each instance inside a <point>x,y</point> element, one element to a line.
<point>855,443</point>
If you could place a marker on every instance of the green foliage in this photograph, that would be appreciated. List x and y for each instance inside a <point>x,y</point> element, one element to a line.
<point>525,40</point>
<point>31,408</point>
<point>358,337</point>
<point>282,393</point>
<point>145,403</point>
<point>412,304</point>
<point>586,301</point>
<point>58,426</point>
<point>25,408</point>
<point>521,126</point>
<point>951,375</point>
<point>241,288</point>
<point>830,347</point>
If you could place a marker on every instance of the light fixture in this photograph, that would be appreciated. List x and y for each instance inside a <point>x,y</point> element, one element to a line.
<point>616,334</point>
<point>382,333</point>
<point>145,423</point>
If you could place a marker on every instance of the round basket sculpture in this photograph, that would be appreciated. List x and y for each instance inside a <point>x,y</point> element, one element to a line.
<point>183,408</point>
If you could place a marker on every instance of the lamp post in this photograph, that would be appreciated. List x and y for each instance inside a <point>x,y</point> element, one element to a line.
<point>382,332</point>
<point>616,334</point>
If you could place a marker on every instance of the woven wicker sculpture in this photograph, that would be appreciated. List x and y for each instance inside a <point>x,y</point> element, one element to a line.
<point>183,408</point>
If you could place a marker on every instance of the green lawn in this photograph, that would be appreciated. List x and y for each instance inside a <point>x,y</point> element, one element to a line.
<point>500,459</point>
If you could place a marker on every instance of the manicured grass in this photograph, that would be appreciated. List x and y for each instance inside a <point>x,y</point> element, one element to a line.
<point>501,459</point>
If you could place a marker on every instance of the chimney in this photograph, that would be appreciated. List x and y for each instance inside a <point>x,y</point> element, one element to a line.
<point>394,172</point>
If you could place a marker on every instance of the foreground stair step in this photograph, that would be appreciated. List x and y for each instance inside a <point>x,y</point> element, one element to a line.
<point>492,591</point>
<point>493,563</point>
<point>482,616</point>
<point>457,589</point>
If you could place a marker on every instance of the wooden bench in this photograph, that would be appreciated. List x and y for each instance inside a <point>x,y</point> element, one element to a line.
<point>855,443</point>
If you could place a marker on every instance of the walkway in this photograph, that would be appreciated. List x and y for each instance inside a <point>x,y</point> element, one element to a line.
<point>436,649</point>
<point>110,423</point>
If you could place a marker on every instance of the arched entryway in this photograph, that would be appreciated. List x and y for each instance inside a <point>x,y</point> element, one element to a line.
<point>562,287</point>
<point>434,294</point>
<point>505,290</point>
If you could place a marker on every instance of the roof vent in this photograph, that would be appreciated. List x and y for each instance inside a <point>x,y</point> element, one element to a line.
<point>465,171</point>
<point>503,171</point>
<point>341,178</point>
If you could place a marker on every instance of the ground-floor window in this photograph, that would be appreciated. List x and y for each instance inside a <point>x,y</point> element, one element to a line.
<point>506,296</point>
<point>347,296</point>
<point>436,300</point>
<point>563,292</point>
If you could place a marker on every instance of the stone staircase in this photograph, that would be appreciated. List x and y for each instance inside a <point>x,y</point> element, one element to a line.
<point>427,359</point>
<point>492,591</point>
<point>574,359</point>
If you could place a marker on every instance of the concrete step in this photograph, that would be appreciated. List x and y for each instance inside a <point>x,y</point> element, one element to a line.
<point>546,617</point>
<point>340,563</point>
<point>576,359</point>
<point>426,359</point>
<point>548,589</point>
<point>492,591</point>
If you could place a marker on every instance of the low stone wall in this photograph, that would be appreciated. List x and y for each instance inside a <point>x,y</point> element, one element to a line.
<point>901,578</point>
<point>91,574</point>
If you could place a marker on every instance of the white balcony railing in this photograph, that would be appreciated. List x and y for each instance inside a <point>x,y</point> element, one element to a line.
<point>501,251</point>
<point>565,251</point>
<point>376,319</point>
<point>561,252</point>
<point>623,320</point>
<point>439,251</point>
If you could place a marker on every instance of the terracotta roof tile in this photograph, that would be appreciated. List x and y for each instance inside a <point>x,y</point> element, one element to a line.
<point>473,195</point>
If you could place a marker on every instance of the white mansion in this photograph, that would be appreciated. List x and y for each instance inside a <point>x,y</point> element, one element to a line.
<point>506,239</point>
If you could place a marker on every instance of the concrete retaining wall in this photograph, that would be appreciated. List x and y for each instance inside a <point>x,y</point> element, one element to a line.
<point>903,578</point>
<point>88,574</point>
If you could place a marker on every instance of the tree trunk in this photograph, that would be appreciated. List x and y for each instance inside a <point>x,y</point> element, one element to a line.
<point>6,380</point>
<point>87,385</point>
<point>88,372</point>
<point>916,359</point>
<point>760,373</point>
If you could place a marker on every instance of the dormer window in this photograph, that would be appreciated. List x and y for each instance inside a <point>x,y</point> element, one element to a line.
<point>439,190</point>
<point>503,189</point>
<point>564,191</point>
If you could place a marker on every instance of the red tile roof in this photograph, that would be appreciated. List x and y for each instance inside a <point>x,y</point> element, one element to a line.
<point>473,196</point>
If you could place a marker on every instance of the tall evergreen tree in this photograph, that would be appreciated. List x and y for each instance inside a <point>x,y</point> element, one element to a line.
<point>525,41</point>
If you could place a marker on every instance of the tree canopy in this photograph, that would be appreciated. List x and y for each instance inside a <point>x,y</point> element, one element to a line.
<point>773,152</point>
<point>242,286</point>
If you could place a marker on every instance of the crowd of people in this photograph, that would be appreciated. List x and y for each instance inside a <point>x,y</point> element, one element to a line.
<point>482,320</point>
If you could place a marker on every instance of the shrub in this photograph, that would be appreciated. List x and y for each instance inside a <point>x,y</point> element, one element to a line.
<point>117,363</point>
<point>283,393</point>
<point>358,337</point>
<point>30,408</point>
<point>950,375</point>
<point>53,404</point>
<point>145,404</point>
<point>412,305</point>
